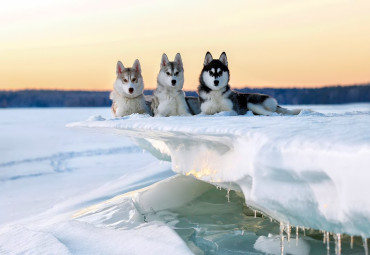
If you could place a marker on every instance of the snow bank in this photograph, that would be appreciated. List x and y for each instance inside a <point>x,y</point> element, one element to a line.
<point>76,237</point>
<point>308,170</point>
<point>122,211</point>
<point>48,172</point>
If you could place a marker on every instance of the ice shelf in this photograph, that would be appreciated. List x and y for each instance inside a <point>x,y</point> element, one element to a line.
<point>309,170</point>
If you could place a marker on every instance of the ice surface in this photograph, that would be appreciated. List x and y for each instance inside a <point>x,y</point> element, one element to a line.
<point>78,191</point>
<point>308,170</point>
<point>76,237</point>
<point>43,164</point>
<point>271,245</point>
<point>48,172</point>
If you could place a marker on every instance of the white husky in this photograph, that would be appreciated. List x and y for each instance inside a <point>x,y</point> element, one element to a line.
<point>168,98</point>
<point>127,94</point>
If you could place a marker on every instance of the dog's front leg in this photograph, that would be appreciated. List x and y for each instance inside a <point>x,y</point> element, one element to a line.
<point>208,108</point>
<point>164,109</point>
<point>114,109</point>
<point>120,111</point>
<point>182,107</point>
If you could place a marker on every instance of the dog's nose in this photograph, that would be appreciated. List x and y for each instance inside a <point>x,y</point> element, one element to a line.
<point>216,82</point>
<point>173,82</point>
<point>131,90</point>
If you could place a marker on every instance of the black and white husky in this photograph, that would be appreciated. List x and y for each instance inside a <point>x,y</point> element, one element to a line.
<point>127,94</point>
<point>216,96</point>
<point>168,98</point>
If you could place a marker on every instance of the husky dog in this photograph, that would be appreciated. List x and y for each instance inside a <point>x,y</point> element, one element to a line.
<point>216,96</point>
<point>168,98</point>
<point>127,94</point>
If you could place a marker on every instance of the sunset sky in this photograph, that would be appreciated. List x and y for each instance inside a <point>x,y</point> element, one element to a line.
<point>69,44</point>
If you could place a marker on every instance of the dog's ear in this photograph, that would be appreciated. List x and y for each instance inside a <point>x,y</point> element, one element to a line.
<point>223,58</point>
<point>137,66</point>
<point>178,60</point>
<point>164,60</point>
<point>119,68</point>
<point>208,58</point>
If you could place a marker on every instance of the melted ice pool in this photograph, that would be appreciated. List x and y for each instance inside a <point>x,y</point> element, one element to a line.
<point>210,220</point>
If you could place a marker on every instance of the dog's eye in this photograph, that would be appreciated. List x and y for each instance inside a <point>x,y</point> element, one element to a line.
<point>210,72</point>
<point>168,73</point>
<point>220,72</point>
<point>125,80</point>
<point>176,73</point>
<point>133,79</point>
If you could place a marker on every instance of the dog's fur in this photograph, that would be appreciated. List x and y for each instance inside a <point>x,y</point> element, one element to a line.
<point>168,98</point>
<point>216,96</point>
<point>127,95</point>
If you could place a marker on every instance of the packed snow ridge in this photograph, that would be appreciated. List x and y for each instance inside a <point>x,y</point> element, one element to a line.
<point>309,170</point>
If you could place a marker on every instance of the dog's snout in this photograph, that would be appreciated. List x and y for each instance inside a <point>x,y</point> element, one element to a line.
<point>173,82</point>
<point>131,90</point>
<point>216,82</point>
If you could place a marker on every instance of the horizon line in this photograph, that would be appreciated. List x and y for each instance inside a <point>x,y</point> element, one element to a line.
<point>245,87</point>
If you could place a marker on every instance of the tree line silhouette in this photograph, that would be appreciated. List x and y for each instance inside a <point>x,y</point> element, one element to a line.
<point>58,98</point>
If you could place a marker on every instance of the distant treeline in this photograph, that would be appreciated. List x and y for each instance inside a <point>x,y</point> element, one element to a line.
<point>57,98</point>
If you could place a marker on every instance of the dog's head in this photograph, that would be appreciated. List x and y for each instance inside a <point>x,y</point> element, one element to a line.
<point>171,74</point>
<point>129,81</point>
<point>215,74</point>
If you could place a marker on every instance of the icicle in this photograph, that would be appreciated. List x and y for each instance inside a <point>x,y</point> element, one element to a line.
<point>364,241</point>
<point>255,214</point>
<point>288,231</point>
<point>324,238</point>
<point>304,231</point>
<point>282,238</point>
<point>351,243</point>
<point>328,243</point>
<point>228,195</point>
<point>339,244</point>
<point>296,236</point>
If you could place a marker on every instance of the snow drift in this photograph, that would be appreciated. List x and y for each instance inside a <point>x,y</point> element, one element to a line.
<point>308,170</point>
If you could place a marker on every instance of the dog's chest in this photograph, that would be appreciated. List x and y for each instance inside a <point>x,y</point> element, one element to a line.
<point>172,100</point>
<point>127,106</point>
<point>216,101</point>
<point>167,96</point>
<point>217,97</point>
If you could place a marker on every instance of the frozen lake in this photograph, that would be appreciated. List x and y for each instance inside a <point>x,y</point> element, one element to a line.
<point>75,191</point>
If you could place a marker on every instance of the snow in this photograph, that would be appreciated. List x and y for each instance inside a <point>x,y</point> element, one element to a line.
<point>49,172</point>
<point>308,170</point>
<point>75,237</point>
<point>97,187</point>
<point>271,245</point>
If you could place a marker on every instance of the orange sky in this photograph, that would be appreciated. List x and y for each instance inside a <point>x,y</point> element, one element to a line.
<point>69,44</point>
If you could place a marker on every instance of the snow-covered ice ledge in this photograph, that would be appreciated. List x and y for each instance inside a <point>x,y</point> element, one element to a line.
<point>309,170</point>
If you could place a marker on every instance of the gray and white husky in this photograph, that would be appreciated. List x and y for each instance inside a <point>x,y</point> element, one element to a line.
<point>168,98</point>
<point>127,94</point>
<point>216,96</point>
